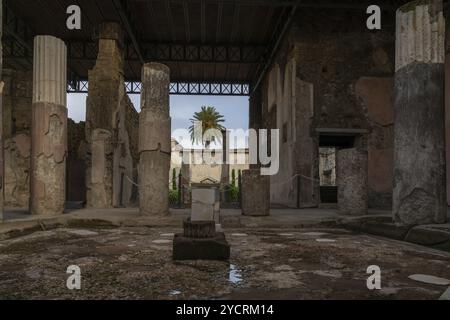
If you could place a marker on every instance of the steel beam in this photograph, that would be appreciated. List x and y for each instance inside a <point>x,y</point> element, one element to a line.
<point>164,52</point>
<point>122,9</point>
<point>276,46</point>
<point>178,88</point>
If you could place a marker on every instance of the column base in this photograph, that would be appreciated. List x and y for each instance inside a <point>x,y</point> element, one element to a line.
<point>216,248</point>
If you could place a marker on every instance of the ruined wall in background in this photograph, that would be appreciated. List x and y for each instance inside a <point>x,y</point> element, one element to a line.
<point>132,131</point>
<point>124,163</point>
<point>290,109</point>
<point>333,56</point>
<point>377,96</point>
<point>17,100</point>
<point>76,163</point>
<point>329,59</point>
<point>281,101</point>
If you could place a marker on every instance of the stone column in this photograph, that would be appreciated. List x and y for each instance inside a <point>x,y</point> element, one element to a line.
<point>111,126</point>
<point>351,181</point>
<point>255,193</point>
<point>154,140</point>
<point>255,123</point>
<point>419,195</point>
<point>225,170</point>
<point>255,188</point>
<point>49,126</point>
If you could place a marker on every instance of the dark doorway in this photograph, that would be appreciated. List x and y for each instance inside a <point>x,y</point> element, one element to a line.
<point>329,144</point>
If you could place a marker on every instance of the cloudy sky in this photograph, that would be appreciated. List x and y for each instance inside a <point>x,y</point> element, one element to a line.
<point>234,110</point>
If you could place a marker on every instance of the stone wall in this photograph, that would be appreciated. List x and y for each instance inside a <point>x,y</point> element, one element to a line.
<point>76,166</point>
<point>377,96</point>
<point>313,84</point>
<point>17,145</point>
<point>17,100</point>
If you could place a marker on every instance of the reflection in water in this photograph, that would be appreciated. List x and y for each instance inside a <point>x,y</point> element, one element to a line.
<point>235,274</point>
<point>174,292</point>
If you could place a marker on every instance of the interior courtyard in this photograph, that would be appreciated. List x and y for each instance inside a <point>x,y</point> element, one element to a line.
<point>360,119</point>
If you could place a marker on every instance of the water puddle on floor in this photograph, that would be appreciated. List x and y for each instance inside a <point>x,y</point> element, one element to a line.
<point>174,293</point>
<point>234,275</point>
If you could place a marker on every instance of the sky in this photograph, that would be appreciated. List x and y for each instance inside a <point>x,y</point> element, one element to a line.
<point>182,107</point>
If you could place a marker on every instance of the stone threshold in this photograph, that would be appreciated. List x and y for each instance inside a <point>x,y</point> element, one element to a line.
<point>436,236</point>
<point>379,224</point>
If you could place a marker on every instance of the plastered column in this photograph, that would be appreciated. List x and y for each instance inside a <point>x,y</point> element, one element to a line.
<point>419,195</point>
<point>154,140</point>
<point>49,126</point>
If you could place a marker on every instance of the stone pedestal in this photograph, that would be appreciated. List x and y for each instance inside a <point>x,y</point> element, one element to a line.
<point>419,195</point>
<point>199,229</point>
<point>351,181</point>
<point>49,127</point>
<point>154,140</point>
<point>216,248</point>
<point>200,240</point>
<point>255,193</point>
<point>205,203</point>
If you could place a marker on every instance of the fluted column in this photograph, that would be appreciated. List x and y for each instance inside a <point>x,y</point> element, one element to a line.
<point>419,195</point>
<point>49,126</point>
<point>154,140</point>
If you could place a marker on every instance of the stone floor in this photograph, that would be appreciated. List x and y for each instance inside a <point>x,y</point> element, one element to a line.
<point>266,263</point>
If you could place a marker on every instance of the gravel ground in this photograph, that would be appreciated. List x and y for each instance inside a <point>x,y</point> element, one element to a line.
<point>136,263</point>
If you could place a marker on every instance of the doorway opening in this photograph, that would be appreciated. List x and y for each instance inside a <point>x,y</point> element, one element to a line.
<point>329,144</point>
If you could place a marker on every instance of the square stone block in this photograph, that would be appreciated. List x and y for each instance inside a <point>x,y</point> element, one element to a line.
<point>216,248</point>
<point>205,203</point>
<point>255,193</point>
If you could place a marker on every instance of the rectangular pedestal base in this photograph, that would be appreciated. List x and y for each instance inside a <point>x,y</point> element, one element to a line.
<point>216,248</point>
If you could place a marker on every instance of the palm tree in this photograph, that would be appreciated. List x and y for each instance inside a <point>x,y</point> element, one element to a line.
<point>210,119</point>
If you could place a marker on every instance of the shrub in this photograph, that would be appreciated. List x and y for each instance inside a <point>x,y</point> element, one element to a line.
<point>173,196</point>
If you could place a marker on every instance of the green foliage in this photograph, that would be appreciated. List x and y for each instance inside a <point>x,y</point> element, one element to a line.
<point>233,193</point>
<point>211,119</point>
<point>173,196</point>
<point>174,179</point>
<point>233,177</point>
